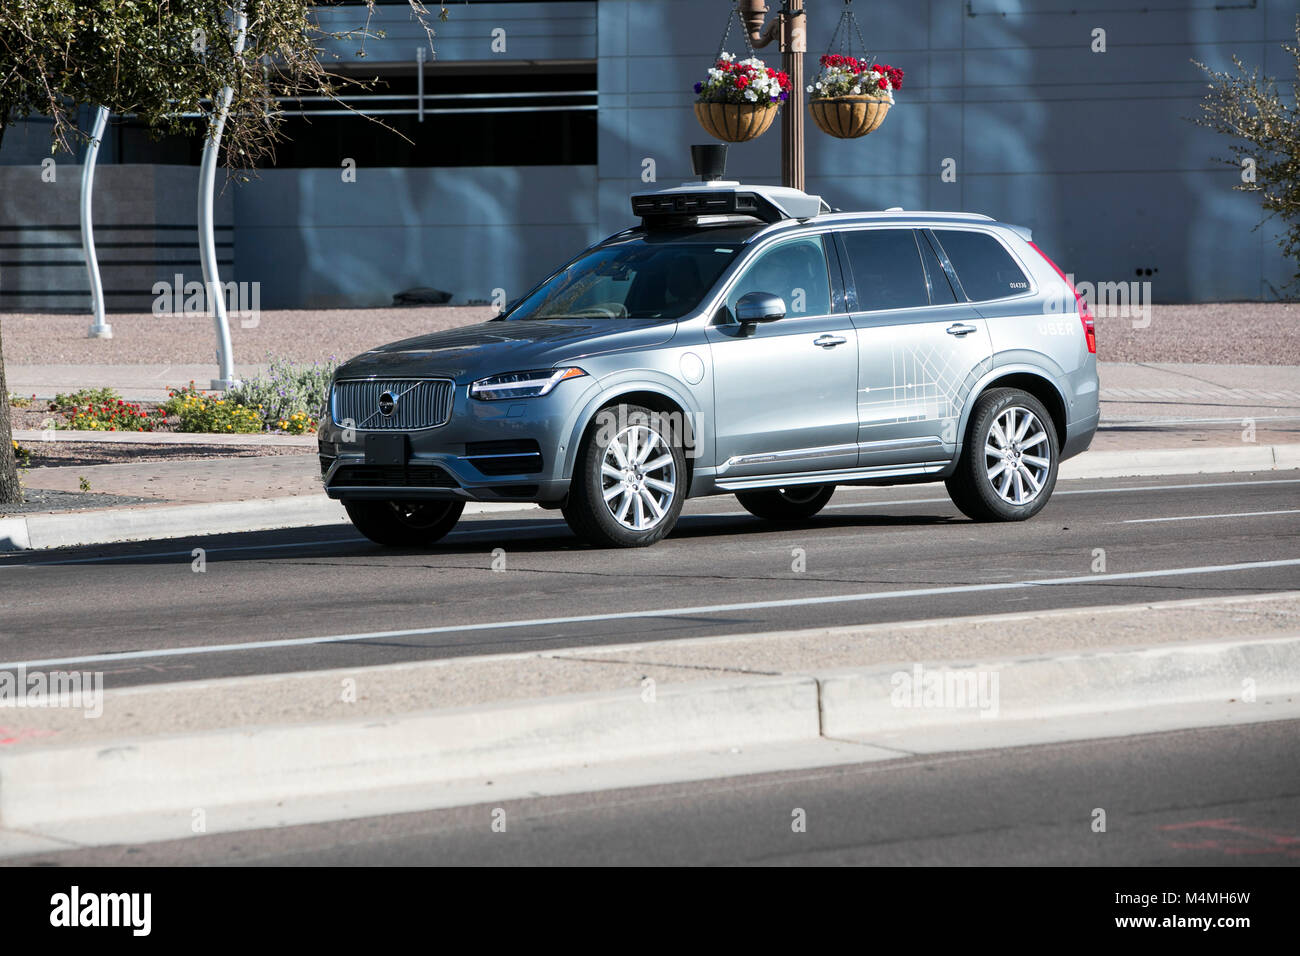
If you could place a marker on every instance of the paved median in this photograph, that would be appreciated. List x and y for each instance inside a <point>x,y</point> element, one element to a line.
<point>244,751</point>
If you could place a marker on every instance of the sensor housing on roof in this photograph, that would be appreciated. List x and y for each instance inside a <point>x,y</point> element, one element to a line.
<point>720,198</point>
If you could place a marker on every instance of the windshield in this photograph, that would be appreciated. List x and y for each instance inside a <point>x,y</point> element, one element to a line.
<point>631,280</point>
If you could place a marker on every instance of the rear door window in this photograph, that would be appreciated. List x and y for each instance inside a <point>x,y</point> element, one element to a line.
<point>983,266</point>
<point>887,271</point>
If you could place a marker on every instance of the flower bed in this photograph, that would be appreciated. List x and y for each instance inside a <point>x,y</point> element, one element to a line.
<point>115,416</point>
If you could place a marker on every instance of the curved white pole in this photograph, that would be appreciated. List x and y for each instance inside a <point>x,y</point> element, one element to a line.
<point>207,243</point>
<point>99,329</point>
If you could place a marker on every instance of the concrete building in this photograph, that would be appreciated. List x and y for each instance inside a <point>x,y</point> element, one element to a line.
<point>1068,116</point>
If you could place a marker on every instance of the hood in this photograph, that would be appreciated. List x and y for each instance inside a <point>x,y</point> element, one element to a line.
<point>476,351</point>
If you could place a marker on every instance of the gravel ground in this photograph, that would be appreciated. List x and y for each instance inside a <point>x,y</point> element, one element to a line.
<point>36,499</point>
<point>143,339</point>
<point>1218,333</point>
<point>1227,333</point>
<point>73,454</point>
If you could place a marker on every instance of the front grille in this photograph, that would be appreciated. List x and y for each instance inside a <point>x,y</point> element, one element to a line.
<point>420,403</point>
<point>392,476</point>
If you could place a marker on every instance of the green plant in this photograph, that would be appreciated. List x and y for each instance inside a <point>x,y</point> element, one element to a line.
<point>19,401</point>
<point>198,413</point>
<point>84,396</point>
<point>83,482</point>
<point>1249,108</point>
<point>176,397</point>
<point>289,395</point>
<point>116,416</point>
<point>21,455</point>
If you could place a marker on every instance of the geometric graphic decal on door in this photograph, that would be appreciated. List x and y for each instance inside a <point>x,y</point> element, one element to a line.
<point>929,383</point>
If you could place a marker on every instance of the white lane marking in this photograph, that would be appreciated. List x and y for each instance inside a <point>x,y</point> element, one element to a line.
<point>656,612</point>
<point>1235,514</point>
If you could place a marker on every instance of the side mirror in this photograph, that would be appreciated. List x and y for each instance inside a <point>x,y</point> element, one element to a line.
<point>759,307</point>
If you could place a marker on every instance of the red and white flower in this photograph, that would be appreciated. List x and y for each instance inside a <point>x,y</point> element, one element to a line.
<point>742,81</point>
<point>848,76</point>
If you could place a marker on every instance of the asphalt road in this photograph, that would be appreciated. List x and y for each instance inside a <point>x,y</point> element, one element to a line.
<point>324,598</point>
<point>1227,796</point>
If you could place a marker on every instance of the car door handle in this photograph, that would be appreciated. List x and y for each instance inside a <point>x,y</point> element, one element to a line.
<point>959,329</point>
<point>829,341</point>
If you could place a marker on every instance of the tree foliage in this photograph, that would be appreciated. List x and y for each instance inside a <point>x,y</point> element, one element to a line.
<point>165,61</point>
<point>1266,132</point>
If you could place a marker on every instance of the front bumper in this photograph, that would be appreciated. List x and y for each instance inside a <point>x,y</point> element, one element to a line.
<point>486,451</point>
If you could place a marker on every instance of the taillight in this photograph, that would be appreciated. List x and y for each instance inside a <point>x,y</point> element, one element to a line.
<point>1089,327</point>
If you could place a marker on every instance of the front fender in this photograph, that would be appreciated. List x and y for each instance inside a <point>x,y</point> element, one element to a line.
<point>618,384</point>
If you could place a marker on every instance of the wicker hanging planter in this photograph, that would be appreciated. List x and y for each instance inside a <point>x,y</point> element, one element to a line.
<point>848,117</point>
<point>851,96</point>
<point>735,122</point>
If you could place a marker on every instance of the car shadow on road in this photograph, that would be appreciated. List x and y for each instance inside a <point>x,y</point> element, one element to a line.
<point>521,536</point>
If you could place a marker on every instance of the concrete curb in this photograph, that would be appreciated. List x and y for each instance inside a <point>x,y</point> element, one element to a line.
<point>223,768</point>
<point>150,522</point>
<point>51,788</point>
<point>34,437</point>
<point>867,704</point>
<point>1181,461</point>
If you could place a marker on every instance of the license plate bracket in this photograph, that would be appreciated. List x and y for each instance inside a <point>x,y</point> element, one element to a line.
<point>387,449</point>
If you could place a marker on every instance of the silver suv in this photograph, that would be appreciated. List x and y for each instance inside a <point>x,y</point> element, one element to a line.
<point>741,340</point>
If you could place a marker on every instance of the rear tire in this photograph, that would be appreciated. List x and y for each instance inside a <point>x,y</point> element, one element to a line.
<point>1008,463</point>
<point>786,505</point>
<point>629,481</point>
<point>404,524</point>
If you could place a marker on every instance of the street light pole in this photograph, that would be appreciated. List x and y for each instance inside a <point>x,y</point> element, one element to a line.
<point>789,28</point>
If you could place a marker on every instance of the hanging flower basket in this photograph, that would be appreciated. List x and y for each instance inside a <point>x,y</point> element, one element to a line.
<point>848,117</point>
<point>739,99</point>
<point>850,98</point>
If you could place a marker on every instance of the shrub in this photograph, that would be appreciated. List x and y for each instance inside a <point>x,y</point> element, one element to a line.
<point>20,401</point>
<point>200,413</point>
<point>84,396</point>
<point>176,397</point>
<point>118,416</point>
<point>22,455</point>
<point>289,395</point>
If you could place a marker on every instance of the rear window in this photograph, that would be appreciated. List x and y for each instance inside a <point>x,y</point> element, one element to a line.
<point>983,265</point>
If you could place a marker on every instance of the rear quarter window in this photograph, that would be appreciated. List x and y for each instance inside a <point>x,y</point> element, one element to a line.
<point>983,266</point>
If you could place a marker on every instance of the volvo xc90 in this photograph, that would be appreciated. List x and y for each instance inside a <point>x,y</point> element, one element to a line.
<point>739,340</point>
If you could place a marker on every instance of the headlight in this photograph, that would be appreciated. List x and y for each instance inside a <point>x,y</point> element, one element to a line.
<point>521,384</point>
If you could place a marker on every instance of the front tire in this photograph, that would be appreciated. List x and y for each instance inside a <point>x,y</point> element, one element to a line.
<point>1008,464</point>
<point>786,505</point>
<point>629,481</point>
<point>404,524</point>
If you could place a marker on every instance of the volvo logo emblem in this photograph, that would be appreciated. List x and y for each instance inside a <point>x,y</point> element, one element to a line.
<point>387,404</point>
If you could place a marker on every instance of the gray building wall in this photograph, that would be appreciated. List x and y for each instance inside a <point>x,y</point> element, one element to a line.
<point>313,240</point>
<point>1093,151</point>
<point>146,231</point>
